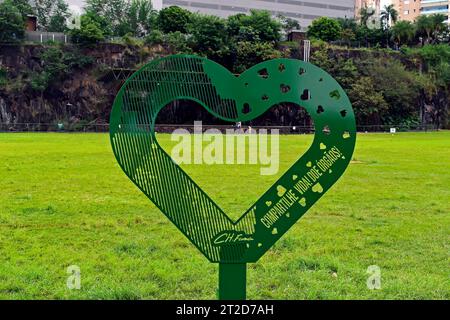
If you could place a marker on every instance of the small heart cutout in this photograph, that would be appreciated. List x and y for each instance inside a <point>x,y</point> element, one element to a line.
<point>322,146</point>
<point>281,190</point>
<point>294,177</point>
<point>302,202</point>
<point>335,94</point>
<point>317,188</point>
<point>268,203</point>
<point>274,231</point>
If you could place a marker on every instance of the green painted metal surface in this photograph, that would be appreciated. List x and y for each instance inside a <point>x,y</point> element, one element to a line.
<point>233,99</point>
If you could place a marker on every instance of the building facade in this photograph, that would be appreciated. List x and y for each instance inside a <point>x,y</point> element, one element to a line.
<point>303,11</point>
<point>410,9</point>
<point>407,10</point>
<point>435,6</point>
<point>373,4</point>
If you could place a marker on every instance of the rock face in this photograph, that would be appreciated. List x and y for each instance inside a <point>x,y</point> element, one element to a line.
<point>42,86</point>
<point>82,93</point>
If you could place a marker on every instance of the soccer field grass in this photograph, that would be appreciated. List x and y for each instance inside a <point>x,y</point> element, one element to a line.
<point>64,201</point>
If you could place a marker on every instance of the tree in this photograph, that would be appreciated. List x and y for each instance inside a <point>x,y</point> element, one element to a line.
<point>438,23</point>
<point>207,34</point>
<point>141,17</point>
<point>177,42</point>
<point>24,7</point>
<point>324,28</point>
<point>52,15</point>
<point>53,69</point>
<point>248,54</point>
<point>347,23</point>
<point>389,15</point>
<point>347,35</point>
<point>113,12</point>
<point>103,23</point>
<point>425,26</point>
<point>172,19</point>
<point>52,60</point>
<point>90,31</point>
<point>258,26</point>
<point>12,25</point>
<point>288,24</point>
<point>368,103</point>
<point>400,88</point>
<point>403,32</point>
<point>267,28</point>
<point>365,14</point>
<point>234,24</point>
<point>59,17</point>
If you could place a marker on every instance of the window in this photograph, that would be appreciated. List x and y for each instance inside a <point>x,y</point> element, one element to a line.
<point>406,12</point>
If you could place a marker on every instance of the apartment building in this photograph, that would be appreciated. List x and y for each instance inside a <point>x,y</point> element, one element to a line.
<point>407,10</point>
<point>435,6</point>
<point>410,9</point>
<point>373,4</point>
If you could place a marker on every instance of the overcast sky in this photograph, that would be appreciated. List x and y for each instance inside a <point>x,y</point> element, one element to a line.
<point>78,3</point>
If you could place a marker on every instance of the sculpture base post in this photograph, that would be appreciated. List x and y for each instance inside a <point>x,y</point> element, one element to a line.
<point>232,281</point>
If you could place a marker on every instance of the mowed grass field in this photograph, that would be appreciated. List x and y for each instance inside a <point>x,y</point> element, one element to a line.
<point>64,201</point>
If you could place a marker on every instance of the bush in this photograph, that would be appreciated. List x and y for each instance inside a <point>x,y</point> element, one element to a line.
<point>177,42</point>
<point>324,28</point>
<point>3,76</point>
<point>90,31</point>
<point>39,81</point>
<point>434,55</point>
<point>76,60</point>
<point>155,37</point>
<point>130,40</point>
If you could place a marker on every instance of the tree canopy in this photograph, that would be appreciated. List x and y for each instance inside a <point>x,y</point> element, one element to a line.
<point>325,29</point>
<point>173,19</point>
<point>12,25</point>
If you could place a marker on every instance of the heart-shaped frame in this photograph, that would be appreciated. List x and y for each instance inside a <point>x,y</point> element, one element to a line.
<point>232,99</point>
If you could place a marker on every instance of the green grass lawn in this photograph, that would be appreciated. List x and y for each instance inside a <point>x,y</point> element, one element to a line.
<point>65,201</point>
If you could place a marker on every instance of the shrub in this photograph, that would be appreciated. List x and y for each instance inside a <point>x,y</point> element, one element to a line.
<point>324,28</point>
<point>90,31</point>
<point>155,37</point>
<point>3,76</point>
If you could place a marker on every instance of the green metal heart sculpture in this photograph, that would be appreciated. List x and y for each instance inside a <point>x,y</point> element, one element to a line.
<point>231,98</point>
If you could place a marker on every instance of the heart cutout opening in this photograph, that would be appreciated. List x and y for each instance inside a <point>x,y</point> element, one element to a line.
<point>233,186</point>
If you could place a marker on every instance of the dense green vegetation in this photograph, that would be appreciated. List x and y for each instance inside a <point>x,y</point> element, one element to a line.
<point>394,72</point>
<point>12,23</point>
<point>65,201</point>
<point>384,90</point>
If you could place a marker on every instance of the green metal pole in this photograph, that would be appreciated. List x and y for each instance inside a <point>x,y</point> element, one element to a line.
<point>232,281</point>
